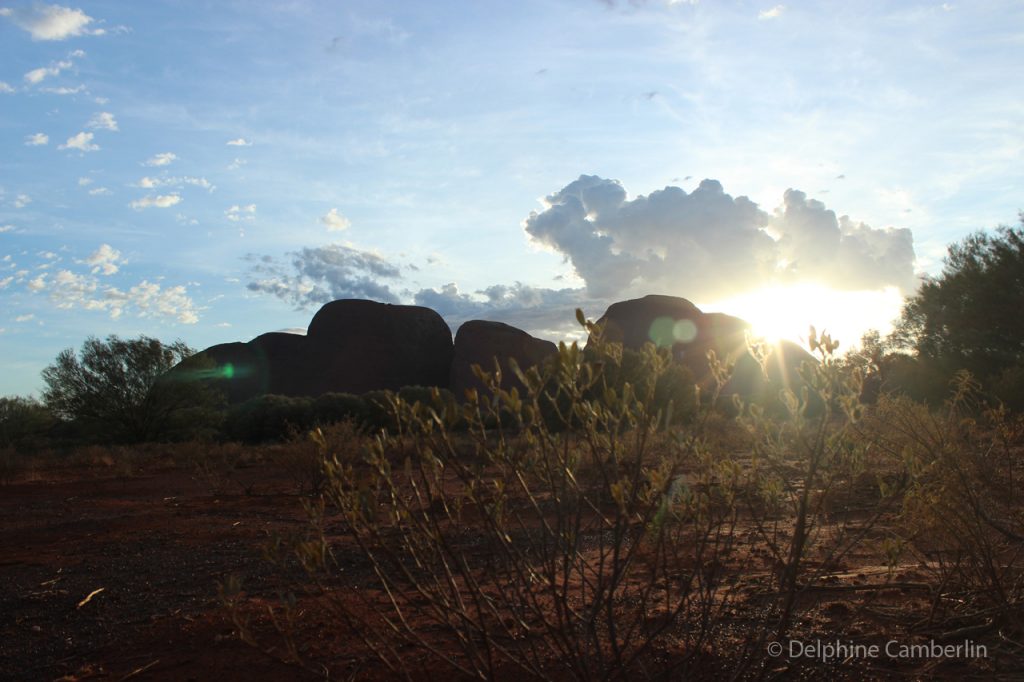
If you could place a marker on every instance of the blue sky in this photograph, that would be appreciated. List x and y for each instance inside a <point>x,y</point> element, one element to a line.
<point>213,170</point>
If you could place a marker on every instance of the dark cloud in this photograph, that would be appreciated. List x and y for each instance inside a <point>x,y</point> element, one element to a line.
<point>543,312</point>
<point>323,274</point>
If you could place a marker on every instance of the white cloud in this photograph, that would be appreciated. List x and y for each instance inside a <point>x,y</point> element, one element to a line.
<point>69,290</point>
<point>24,318</point>
<point>51,22</point>
<point>82,142</point>
<point>334,221</point>
<point>99,191</point>
<point>152,183</point>
<point>6,281</point>
<point>6,228</point>
<point>237,213</point>
<point>162,159</point>
<point>104,260</point>
<point>64,91</point>
<point>240,142</point>
<point>103,120</point>
<point>22,201</point>
<point>772,13</point>
<point>37,140</point>
<point>160,201</point>
<point>236,164</point>
<point>38,75</point>
<point>5,87</point>
<point>84,182</point>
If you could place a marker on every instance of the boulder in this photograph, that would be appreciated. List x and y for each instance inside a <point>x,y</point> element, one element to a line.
<point>676,323</point>
<point>479,342</point>
<point>357,346</point>
<point>352,346</point>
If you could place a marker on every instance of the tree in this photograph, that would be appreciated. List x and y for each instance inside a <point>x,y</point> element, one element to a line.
<point>969,317</point>
<point>117,390</point>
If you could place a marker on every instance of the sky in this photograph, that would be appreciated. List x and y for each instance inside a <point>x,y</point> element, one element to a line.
<point>210,171</point>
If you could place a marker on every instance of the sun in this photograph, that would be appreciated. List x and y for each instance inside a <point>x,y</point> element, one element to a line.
<point>786,312</point>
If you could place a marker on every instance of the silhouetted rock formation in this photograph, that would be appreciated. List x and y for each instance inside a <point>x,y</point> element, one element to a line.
<point>362,346</point>
<point>676,323</point>
<point>352,346</point>
<point>356,346</point>
<point>479,342</point>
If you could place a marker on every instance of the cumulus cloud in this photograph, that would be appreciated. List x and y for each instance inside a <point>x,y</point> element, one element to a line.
<point>6,88</point>
<point>160,201</point>
<point>22,200</point>
<point>334,221</point>
<point>51,22</point>
<point>6,228</point>
<point>37,140</point>
<point>103,120</point>
<point>239,142</point>
<point>99,191</point>
<point>82,142</point>
<point>84,181</point>
<point>239,213</point>
<point>162,159</point>
<point>706,244</point>
<point>322,274</point>
<point>772,13</point>
<point>104,260</point>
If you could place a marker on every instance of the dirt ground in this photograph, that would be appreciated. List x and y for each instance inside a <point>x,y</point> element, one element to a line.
<point>156,544</point>
<point>108,577</point>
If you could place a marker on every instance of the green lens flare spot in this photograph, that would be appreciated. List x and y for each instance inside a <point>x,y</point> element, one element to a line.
<point>229,371</point>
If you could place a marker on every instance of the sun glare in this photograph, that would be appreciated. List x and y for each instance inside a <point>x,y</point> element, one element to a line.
<point>786,312</point>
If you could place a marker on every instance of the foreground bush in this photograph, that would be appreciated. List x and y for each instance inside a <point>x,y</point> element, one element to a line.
<point>575,531</point>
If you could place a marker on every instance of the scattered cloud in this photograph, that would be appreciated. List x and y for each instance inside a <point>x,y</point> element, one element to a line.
<point>99,191</point>
<point>334,221</point>
<point>36,76</point>
<point>5,87</point>
<point>64,90</point>
<point>25,318</point>
<point>152,183</point>
<point>239,142</point>
<point>51,22</point>
<point>160,201</point>
<point>236,164</point>
<point>82,142</point>
<point>104,260</point>
<point>162,159</point>
<point>84,182</point>
<point>322,274</point>
<point>104,120</point>
<point>22,200</point>
<point>773,13</point>
<point>37,140</point>
<point>238,213</point>
<point>6,228</point>
<point>67,290</point>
